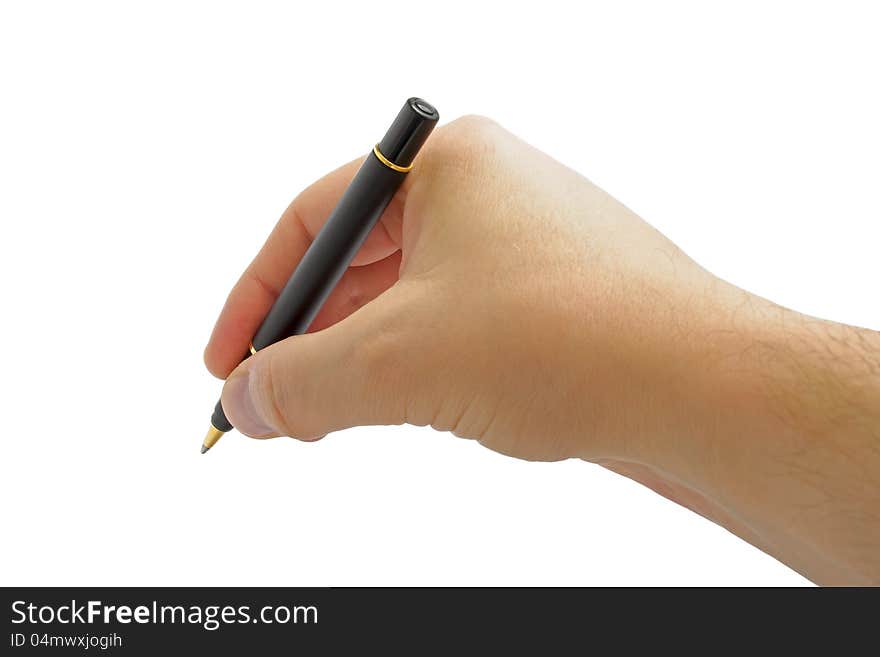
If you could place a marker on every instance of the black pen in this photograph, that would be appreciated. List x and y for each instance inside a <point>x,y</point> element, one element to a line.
<point>345,230</point>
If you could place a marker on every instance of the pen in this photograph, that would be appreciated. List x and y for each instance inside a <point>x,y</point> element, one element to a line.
<point>345,230</point>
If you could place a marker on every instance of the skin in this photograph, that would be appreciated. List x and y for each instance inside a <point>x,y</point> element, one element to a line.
<point>505,298</point>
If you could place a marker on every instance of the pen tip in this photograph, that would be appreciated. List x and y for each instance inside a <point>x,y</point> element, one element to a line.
<point>214,434</point>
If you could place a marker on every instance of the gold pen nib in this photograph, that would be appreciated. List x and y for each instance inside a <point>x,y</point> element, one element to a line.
<point>212,437</point>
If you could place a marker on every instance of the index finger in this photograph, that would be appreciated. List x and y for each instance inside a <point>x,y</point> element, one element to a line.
<point>259,285</point>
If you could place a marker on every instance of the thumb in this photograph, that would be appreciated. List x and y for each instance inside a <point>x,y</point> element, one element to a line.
<point>308,385</point>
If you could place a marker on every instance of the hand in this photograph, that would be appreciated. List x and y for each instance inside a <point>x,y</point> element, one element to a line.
<point>506,299</point>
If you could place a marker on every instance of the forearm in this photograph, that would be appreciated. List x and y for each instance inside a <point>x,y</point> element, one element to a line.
<point>800,456</point>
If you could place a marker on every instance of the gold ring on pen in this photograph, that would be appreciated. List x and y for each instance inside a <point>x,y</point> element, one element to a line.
<point>251,347</point>
<point>388,163</point>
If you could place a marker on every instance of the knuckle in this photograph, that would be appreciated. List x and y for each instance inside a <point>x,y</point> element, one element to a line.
<point>376,357</point>
<point>263,393</point>
<point>274,394</point>
<point>467,143</point>
<point>383,361</point>
<point>474,124</point>
<point>475,135</point>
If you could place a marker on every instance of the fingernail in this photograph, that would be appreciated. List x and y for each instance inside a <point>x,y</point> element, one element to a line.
<point>239,405</point>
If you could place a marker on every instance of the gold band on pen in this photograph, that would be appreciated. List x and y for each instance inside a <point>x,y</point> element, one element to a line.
<point>388,163</point>
<point>251,347</point>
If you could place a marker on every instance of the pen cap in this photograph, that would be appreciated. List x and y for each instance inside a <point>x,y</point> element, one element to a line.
<point>409,131</point>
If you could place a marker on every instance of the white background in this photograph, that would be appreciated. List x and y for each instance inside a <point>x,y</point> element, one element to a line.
<point>146,151</point>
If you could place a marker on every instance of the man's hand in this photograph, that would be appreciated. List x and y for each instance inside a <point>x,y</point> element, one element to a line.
<point>506,299</point>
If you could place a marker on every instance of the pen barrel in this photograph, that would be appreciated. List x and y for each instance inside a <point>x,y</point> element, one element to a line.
<point>326,259</point>
<point>344,232</point>
<point>331,252</point>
